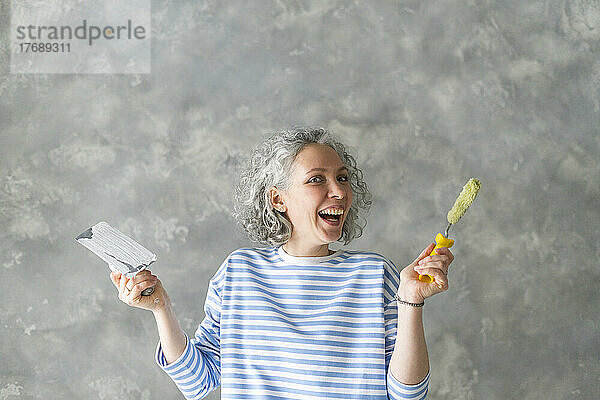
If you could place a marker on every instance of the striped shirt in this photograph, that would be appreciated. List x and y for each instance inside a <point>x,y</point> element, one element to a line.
<point>284,327</point>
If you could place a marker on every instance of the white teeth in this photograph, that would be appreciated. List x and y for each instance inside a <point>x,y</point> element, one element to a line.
<point>332,212</point>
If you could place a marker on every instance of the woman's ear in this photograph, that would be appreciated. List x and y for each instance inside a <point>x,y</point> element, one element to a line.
<point>276,200</point>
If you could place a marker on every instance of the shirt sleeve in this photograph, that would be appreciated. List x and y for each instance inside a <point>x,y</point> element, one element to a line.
<point>197,371</point>
<point>396,390</point>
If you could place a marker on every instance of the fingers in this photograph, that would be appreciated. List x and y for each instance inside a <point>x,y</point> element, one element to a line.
<point>142,276</point>
<point>440,263</point>
<point>138,288</point>
<point>130,289</point>
<point>126,286</point>
<point>139,278</point>
<point>446,251</point>
<point>142,279</point>
<point>436,266</point>
<point>442,260</point>
<point>440,279</point>
<point>425,252</point>
<point>115,277</point>
<point>122,290</point>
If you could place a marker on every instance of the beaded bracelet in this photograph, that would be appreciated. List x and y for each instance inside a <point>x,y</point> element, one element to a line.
<point>407,303</point>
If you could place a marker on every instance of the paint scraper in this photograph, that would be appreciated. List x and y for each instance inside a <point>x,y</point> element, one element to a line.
<point>119,251</point>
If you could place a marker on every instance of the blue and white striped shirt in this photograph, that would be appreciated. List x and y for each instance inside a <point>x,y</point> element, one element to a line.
<point>284,327</point>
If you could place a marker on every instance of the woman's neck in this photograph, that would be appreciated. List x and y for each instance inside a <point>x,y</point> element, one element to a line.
<point>298,250</point>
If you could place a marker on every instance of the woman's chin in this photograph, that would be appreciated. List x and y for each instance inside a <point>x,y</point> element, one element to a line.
<point>331,237</point>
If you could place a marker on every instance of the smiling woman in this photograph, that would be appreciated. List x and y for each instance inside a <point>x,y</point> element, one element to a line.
<point>294,319</point>
<point>315,202</point>
<point>289,164</point>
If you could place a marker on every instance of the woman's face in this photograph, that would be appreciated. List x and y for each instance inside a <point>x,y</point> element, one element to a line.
<point>319,182</point>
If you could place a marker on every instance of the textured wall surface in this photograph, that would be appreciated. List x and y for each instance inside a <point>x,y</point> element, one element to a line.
<point>427,93</point>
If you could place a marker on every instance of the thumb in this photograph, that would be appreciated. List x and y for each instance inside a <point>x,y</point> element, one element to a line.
<point>424,253</point>
<point>115,277</point>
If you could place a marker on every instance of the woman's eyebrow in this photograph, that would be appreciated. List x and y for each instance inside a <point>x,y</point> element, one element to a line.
<point>325,169</point>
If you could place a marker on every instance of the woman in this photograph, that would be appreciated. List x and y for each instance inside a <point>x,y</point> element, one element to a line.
<point>294,319</point>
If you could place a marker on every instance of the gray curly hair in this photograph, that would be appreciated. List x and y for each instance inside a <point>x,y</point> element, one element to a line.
<point>270,164</point>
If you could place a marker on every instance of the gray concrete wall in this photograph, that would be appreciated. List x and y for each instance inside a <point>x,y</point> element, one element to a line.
<point>428,93</point>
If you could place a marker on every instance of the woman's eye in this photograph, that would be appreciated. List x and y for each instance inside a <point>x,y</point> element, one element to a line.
<point>311,180</point>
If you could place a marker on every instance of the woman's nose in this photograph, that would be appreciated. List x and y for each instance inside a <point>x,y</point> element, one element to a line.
<point>338,190</point>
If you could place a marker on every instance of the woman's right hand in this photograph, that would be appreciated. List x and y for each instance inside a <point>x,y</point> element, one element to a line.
<point>130,290</point>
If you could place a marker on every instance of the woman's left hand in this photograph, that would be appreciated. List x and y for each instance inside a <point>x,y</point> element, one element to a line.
<point>415,291</point>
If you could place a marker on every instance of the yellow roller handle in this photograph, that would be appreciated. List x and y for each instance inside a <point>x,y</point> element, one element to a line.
<point>440,241</point>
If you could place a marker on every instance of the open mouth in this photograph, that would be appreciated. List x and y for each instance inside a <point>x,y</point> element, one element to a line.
<point>331,218</point>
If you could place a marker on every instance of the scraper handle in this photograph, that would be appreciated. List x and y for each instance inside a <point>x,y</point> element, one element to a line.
<point>148,291</point>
